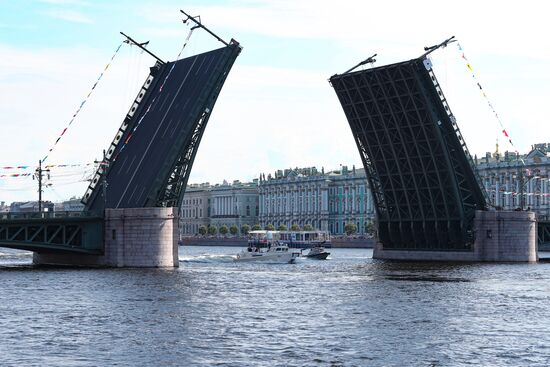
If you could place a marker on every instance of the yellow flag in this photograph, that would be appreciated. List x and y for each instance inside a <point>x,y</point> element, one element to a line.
<point>469,67</point>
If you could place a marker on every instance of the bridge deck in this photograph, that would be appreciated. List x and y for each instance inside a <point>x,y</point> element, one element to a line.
<point>150,158</point>
<point>420,172</point>
<point>79,232</point>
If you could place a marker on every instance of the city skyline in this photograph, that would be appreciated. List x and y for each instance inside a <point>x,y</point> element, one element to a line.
<point>277,108</point>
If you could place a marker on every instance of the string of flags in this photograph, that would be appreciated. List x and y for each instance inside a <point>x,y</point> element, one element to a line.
<point>15,167</point>
<point>154,99</point>
<point>49,166</point>
<point>513,193</point>
<point>469,66</point>
<point>17,174</point>
<point>83,102</point>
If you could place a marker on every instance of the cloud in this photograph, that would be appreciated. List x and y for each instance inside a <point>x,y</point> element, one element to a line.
<point>65,2</point>
<point>276,109</point>
<point>42,88</point>
<point>70,16</point>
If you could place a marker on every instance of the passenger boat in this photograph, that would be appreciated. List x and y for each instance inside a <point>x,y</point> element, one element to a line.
<point>265,246</point>
<point>317,253</point>
<point>305,239</point>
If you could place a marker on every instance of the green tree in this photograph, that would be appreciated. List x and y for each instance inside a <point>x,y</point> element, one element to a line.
<point>256,227</point>
<point>350,229</point>
<point>269,227</point>
<point>282,227</point>
<point>370,228</point>
<point>295,227</point>
<point>223,230</point>
<point>234,230</point>
<point>212,230</point>
<point>308,227</point>
<point>245,229</point>
<point>202,230</point>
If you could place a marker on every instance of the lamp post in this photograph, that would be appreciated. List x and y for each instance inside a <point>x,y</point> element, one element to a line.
<point>38,174</point>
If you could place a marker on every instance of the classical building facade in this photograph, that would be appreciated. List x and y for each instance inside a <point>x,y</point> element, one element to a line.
<point>30,206</point>
<point>219,205</point>
<point>326,201</point>
<point>513,181</point>
<point>350,201</point>
<point>235,204</point>
<point>194,211</point>
<point>72,205</point>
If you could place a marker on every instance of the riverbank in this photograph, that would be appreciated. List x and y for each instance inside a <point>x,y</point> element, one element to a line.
<point>242,242</point>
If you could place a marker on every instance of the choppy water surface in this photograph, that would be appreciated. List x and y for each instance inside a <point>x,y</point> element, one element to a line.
<point>347,311</point>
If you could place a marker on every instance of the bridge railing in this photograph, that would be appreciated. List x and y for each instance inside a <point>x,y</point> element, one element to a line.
<point>459,134</point>
<point>48,215</point>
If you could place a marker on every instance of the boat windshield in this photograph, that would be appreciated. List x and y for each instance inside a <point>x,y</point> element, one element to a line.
<point>304,236</point>
<point>262,239</point>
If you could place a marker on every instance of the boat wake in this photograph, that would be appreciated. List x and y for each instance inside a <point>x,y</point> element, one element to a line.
<point>207,258</point>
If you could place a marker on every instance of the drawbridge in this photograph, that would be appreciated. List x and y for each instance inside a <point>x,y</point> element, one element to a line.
<point>423,179</point>
<point>149,160</point>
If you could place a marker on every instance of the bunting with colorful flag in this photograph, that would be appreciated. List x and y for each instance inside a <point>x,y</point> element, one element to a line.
<point>82,103</point>
<point>47,166</point>
<point>469,66</point>
<point>16,175</point>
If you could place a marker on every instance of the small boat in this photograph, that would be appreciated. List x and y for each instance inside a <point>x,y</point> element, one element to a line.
<point>272,253</point>
<point>305,239</point>
<point>317,253</point>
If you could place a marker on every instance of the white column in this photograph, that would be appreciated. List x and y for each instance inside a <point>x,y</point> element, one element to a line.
<point>497,188</point>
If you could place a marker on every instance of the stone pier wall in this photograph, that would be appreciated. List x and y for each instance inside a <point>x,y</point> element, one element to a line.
<point>500,236</point>
<point>134,237</point>
<point>506,236</point>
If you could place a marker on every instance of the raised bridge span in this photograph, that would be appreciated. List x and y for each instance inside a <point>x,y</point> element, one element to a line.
<point>148,163</point>
<point>424,183</point>
<point>429,199</point>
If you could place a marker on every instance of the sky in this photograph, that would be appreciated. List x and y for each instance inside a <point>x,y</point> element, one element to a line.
<point>277,109</point>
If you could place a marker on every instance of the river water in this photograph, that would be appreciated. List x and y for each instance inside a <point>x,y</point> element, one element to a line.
<point>350,310</point>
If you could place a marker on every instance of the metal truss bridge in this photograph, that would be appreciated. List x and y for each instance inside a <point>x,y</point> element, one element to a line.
<point>149,160</point>
<point>423,180</point>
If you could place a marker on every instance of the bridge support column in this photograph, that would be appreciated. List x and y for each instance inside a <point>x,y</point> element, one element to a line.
<point>500,236</point>
<point>134,237</point>
<point>505,235</point>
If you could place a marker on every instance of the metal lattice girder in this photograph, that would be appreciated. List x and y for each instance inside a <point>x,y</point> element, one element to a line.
<point>78,234</point>
<point>149,161</point>
<point>543,234</point>
<point>424,185</point>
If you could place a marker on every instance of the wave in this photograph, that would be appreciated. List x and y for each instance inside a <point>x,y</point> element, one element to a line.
<point>208,258</point>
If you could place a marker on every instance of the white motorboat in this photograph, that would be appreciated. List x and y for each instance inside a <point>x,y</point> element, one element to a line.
<point>317,252</point>
<point>267,250</point>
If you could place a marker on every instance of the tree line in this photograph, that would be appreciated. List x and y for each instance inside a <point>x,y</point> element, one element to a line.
<point>350,229</point>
